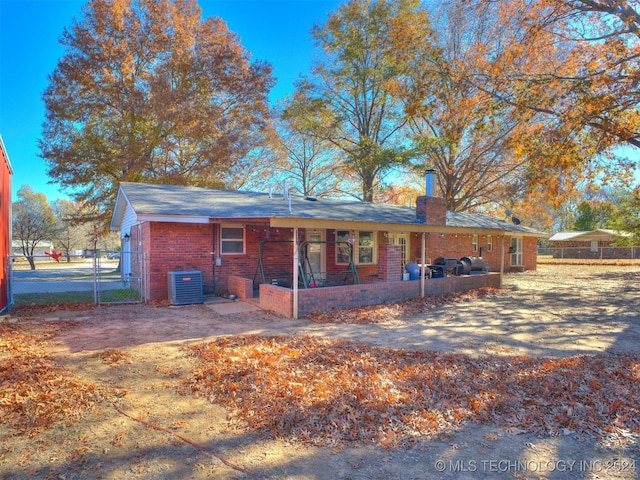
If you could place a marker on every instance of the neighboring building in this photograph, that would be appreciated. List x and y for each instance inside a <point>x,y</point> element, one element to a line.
<point>242,242</point>
<point>5,226</point>
<point>38,251</point>
<point>593,244</point>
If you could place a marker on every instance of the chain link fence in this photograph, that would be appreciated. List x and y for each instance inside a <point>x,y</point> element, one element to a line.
<point>97,277</point>
<point>594,253</point>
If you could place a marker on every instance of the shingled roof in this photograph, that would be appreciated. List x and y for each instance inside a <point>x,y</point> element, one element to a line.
<point>170,201</point>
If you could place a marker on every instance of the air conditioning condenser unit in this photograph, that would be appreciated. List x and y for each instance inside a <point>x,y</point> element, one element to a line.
<point>185,288</point>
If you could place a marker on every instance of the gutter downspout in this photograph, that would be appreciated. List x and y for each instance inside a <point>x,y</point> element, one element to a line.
<point>423,270</point>
<point>295,272</point>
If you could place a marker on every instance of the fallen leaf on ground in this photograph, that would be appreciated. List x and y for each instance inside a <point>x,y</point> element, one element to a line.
<point>398,310</point>
<point>329,392</point>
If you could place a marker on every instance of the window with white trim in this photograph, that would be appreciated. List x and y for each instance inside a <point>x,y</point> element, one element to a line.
<point>231,240</point>
<point>489,243</point>
<point>401,239</point>
<point>474,243</point>
<point>365,247</point>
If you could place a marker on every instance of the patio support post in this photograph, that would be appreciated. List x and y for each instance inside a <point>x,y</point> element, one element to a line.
<point>423,269</point>
<point>295,272</point>
<point>502,261</point>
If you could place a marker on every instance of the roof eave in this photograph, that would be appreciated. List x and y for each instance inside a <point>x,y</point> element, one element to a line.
<point>119,208</point>
<point>291,222</point>
<point>6,156</point>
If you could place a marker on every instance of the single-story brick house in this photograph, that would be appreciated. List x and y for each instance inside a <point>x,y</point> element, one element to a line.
<point>275,250</point>
<point>592,244</point>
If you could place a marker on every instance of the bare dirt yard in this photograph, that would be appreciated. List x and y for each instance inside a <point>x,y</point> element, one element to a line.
<point>538,380</point>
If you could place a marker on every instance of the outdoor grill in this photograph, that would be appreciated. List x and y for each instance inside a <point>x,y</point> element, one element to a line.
<point>448,265</point>
<point>473,265</point>
<point>464,266</point>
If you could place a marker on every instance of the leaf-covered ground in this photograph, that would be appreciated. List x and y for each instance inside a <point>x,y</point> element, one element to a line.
<point>35,391</point>
<point>329,392</point>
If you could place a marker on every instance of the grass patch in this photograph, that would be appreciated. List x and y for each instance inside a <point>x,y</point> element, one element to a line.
<point>54,297</point>
<point>106,296</point>
<point>120,295</point>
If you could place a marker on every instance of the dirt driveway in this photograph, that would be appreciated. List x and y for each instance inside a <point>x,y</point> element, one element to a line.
<point>556,311</point>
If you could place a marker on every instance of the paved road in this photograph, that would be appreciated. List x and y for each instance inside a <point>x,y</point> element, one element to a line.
<point>53,279</point>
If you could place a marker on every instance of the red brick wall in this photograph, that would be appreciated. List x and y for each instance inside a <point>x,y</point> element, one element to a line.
<point>277,258</point>
<point>182,246</point>
<point>460,245</point>
<point>278,300</point>
<point>242,287</point>
<point>363,270</point>
<point>529,253</point>
<point>431,210</point>
<point>350,296</point>
<point>176,247</point>
<point>5,223</point>
<point>390,263</point>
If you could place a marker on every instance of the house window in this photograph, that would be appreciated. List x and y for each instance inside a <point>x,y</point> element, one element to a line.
<point>401,239</point>
<point>489,243</point>
<point>594,246</point>
<point>342,250</point>
<point>364,247</point>
<point>516,252</point>
<point>231,240</point>
<point>474,243</point>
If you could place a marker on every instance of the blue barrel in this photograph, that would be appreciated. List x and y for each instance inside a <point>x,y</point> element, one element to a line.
<point>414,271</point>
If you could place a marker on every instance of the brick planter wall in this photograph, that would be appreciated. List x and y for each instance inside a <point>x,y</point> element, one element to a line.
<point>279,300</point>
<point>241,287</point>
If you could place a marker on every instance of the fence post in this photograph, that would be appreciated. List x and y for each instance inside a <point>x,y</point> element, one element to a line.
<point>9,274</point>
<point>95,279</point>
<point>145,276</point>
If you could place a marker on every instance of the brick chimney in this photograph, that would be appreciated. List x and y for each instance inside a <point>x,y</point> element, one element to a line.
<point>431,210</point>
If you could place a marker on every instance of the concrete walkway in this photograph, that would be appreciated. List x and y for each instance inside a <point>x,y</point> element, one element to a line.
<point>227,308</point>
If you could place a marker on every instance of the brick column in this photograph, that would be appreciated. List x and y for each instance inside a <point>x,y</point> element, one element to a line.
<point>390,263</point>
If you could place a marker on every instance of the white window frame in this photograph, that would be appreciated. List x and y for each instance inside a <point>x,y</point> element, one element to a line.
<point>489,243</point>
<point>397,239</point>
<point>356,247</point>
<point>516,254</point>
<point>474,242</point>
<point>230,240</point>
<point>594,245</point>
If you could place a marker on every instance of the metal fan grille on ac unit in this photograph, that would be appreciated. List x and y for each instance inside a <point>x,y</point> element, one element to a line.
<point>185,287</point>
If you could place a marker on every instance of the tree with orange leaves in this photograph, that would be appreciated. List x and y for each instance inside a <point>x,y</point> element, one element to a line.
<point>149,91</point>
<point>569,70</point>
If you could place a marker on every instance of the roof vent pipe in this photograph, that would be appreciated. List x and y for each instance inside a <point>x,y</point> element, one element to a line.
<point>431,183</point>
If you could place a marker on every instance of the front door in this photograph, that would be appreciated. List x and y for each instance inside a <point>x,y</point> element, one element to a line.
<point>401,239</point>
<point>516,251</point>
<point>315,254</point>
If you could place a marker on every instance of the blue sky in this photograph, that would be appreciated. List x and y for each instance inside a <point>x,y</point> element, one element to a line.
<point>276,31</point>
